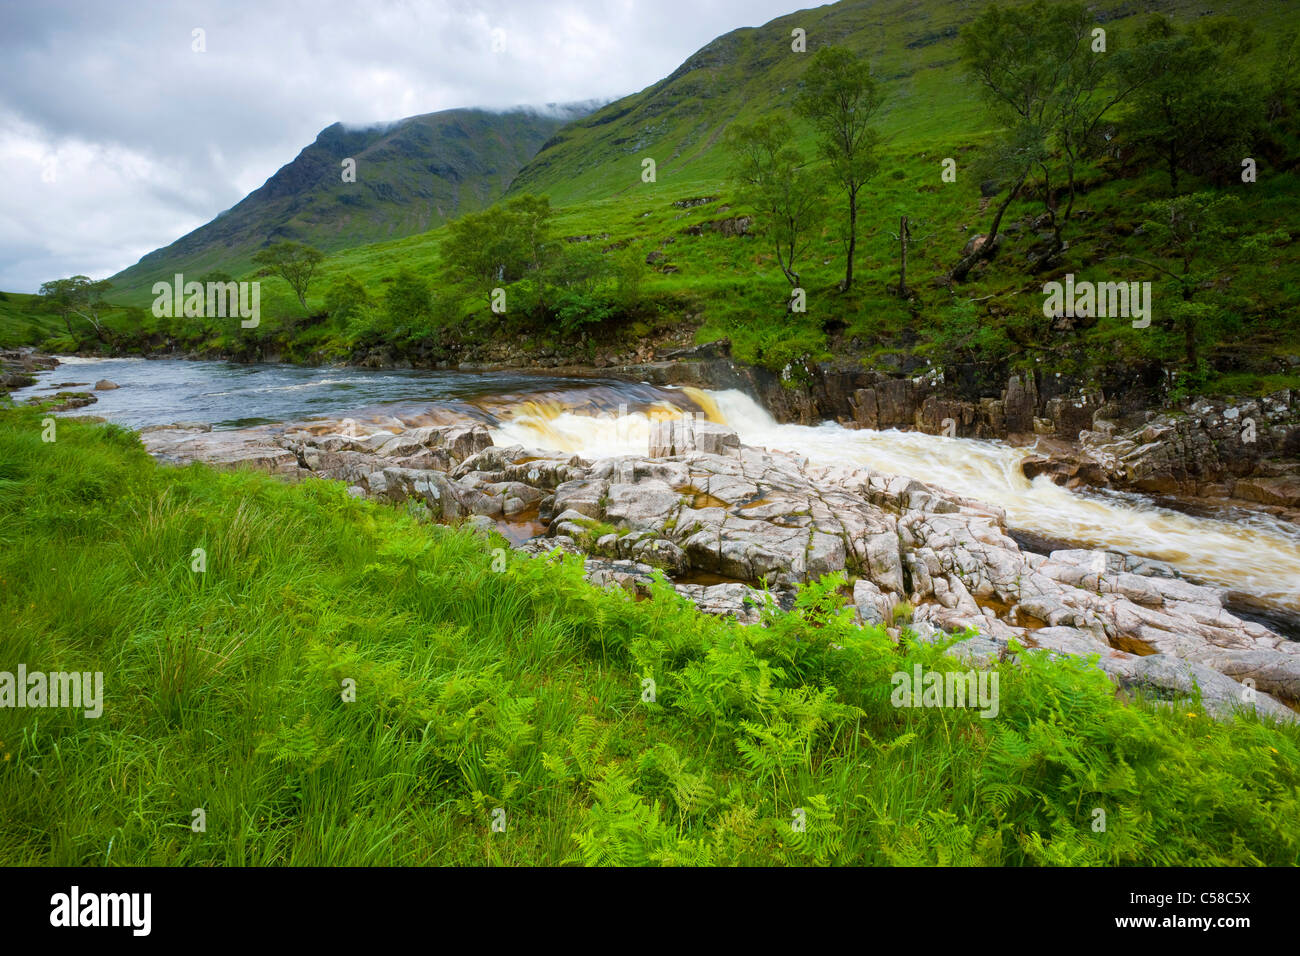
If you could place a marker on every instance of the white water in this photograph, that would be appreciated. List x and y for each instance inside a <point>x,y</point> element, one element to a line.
<point>1252,553</point>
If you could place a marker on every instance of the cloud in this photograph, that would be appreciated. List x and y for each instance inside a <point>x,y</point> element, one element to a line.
<point>149,138</point>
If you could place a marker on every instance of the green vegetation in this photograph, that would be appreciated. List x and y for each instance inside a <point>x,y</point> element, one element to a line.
<point>1194,108</point>
<point>1190,229</point>
<point>841,98</point>
<point>291,261</point>
<point>528,691</point>
<point>25,321</point>
<point>82,297</point>
<point>773,178</point>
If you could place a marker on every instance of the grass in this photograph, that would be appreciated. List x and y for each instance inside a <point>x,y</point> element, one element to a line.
<point>20,324</point>
<point>528,691</point>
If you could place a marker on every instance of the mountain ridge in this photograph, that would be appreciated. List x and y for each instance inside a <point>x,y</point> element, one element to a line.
<point>411,175</point>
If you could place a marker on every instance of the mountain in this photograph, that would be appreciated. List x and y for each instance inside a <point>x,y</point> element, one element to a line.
<point>411,176</point>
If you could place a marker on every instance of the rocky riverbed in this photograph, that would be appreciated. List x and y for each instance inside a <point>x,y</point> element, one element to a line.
<point>1215,450</point>
<point>18,367</point>
<point>1209,449</point>
<point>733,525</point>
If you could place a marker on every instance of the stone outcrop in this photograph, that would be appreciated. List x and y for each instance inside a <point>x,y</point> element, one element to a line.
<point>1105,436</point>
<point>18,367</point>
<point>1231,446</point>
<point>64,401</point>
<point>1242,450</point>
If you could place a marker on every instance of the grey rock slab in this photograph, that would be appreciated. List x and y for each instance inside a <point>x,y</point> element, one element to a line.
<point>1178,681</point>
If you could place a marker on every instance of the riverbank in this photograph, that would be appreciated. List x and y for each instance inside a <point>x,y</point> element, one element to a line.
<point>407,434</point>
<point>274,651</point>
<point>18,368</point>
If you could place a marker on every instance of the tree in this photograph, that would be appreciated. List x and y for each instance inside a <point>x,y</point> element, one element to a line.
<point>629,272</point>
<point>773,177</point>
<point>293,262</point>
<point>499,245</point>
<point>578,267</point>
<point>407,301</point>
<point>577,287</point>
<point>1284,77</point>
<point>906,240</point>
<point>1186,231</point>
<point>1008,160</point>
<point>82,297</point>
<point>1092,84</point>
<point>1003,52</point>
<point>1041,76</point>
<point>1196,106</point>
<point>840,98</point>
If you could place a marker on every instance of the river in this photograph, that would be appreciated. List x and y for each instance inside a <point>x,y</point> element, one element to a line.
<point>1254,555</point>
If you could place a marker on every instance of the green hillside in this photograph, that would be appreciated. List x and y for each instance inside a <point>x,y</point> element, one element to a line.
<point>930,109</point>
<point>411,176</point>
<point>741,75</point>
<point>22,322</point>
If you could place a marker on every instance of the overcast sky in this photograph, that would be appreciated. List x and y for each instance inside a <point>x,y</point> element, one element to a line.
<point>117,137</point>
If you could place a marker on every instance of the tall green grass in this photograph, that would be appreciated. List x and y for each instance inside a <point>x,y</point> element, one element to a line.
<point>527,691</point>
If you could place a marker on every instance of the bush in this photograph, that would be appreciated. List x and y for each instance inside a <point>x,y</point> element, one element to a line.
<point>61,344</point>
<point>344,299</point>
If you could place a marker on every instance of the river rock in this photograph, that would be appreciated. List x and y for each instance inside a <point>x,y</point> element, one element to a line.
<point>65,401</point>
<point>17,367</point>
<point>681,436</point>
<point>629,575</point>
<point>1244,446</point>
<point>248,448</point>
<point>584,495</point>
<point>1179,682</point>
<point>737,601</point>
<point>1283,490</point>
<point>874,607</point>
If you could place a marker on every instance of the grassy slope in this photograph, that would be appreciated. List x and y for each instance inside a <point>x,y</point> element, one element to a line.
<point>21,325</point>
<point>751,72</point>
<point>522,690</point>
